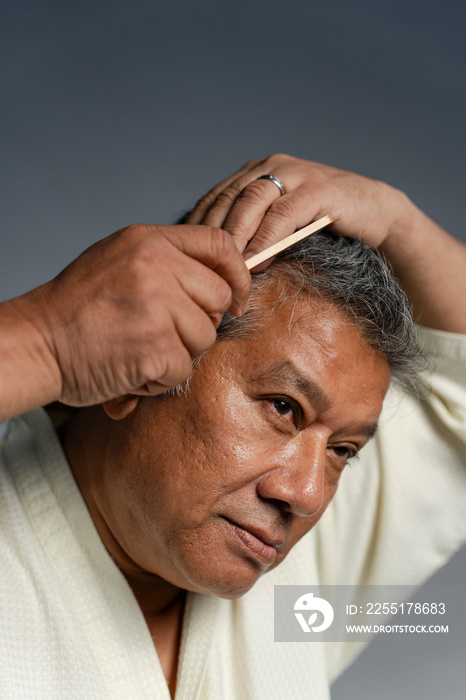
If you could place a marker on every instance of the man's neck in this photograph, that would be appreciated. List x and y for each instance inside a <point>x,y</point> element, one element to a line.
<point>84,439</point>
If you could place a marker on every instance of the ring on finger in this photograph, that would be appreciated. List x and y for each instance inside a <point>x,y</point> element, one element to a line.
<point>276,181</point>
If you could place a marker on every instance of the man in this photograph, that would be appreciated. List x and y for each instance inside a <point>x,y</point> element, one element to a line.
<point>206,489</point>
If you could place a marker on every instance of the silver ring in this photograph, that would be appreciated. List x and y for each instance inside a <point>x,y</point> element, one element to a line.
<point>275,180</point>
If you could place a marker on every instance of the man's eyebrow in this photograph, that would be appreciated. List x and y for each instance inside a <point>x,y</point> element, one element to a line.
<point>288,372</point>
<point>316,395</point>
<point>368,429</point>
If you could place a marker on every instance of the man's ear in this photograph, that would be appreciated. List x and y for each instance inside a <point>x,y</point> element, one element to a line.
<point>121,407</point>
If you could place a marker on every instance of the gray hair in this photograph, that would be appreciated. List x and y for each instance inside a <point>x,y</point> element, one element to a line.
<point>352,276</point>
<point>349,275</point>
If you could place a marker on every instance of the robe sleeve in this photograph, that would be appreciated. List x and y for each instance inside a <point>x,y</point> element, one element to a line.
<point>400,510</point>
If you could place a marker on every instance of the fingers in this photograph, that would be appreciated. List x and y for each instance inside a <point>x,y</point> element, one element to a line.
<point>227,198</point>
<point>254,211</point>
<point>155,295</point>
<point>209,200</point>
<point>132,311</point>
<point>183,329</point>
<point>166,363</point>
<point>247,211</point>
<point>179,331</point>
<point>215,249</point>
<point>284,216</point>
<point>242,202</point>
<point>211,296</point>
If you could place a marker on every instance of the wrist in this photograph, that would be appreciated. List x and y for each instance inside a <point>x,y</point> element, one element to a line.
<point>29,373</point>
<point>403,218</point>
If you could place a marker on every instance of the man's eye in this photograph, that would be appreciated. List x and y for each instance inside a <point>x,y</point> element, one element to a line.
<point>283,408</point>
<point>345,452</point>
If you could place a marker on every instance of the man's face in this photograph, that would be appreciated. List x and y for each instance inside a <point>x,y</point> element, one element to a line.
<point>212,489</point>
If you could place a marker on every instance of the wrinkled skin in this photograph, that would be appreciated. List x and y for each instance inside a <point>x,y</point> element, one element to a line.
<point>257,444</point>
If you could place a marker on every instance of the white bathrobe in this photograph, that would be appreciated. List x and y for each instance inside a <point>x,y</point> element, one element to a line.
<point>70,627</point>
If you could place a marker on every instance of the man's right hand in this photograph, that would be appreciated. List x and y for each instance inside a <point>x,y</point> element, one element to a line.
<point>128,316</point>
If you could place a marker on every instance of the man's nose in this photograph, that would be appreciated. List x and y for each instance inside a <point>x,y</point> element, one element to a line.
<point>298,478</point>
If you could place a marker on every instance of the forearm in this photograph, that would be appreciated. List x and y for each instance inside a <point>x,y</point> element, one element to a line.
<point>29,375</point>
<point>430,265</point>
<point>126,317</point>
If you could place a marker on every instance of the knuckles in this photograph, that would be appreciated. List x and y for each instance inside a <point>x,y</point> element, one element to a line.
<point>226,198</point>
<point>222,294</point>
<point>134,234</point>
<point>282,212</point>
<point>254,194</point>
<point>284,209</point>
<point>206,201</point>
<point>221,244</point>
<point>208,334</point>
<point>279,158</point>
<point>160,331</point>
<point>166,370</point>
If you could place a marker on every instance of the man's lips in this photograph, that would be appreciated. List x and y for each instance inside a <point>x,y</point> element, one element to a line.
<point>257,541</point>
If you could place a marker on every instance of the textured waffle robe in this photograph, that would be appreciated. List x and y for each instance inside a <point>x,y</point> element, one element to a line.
<point>71,628</point>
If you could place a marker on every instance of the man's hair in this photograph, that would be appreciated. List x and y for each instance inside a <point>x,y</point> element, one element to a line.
<point>351,276</point>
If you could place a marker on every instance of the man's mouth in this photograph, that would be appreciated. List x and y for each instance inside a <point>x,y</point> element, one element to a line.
<point>257,541</point>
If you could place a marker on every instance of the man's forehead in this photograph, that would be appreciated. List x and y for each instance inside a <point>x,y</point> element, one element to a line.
<point>303,312</point>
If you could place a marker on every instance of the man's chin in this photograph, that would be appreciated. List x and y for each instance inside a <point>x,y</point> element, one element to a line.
<point>231,592</point>
<point>228,567</point>
<point>231,583</point>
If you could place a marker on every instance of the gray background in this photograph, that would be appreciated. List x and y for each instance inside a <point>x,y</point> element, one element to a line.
<point>116,112</point>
